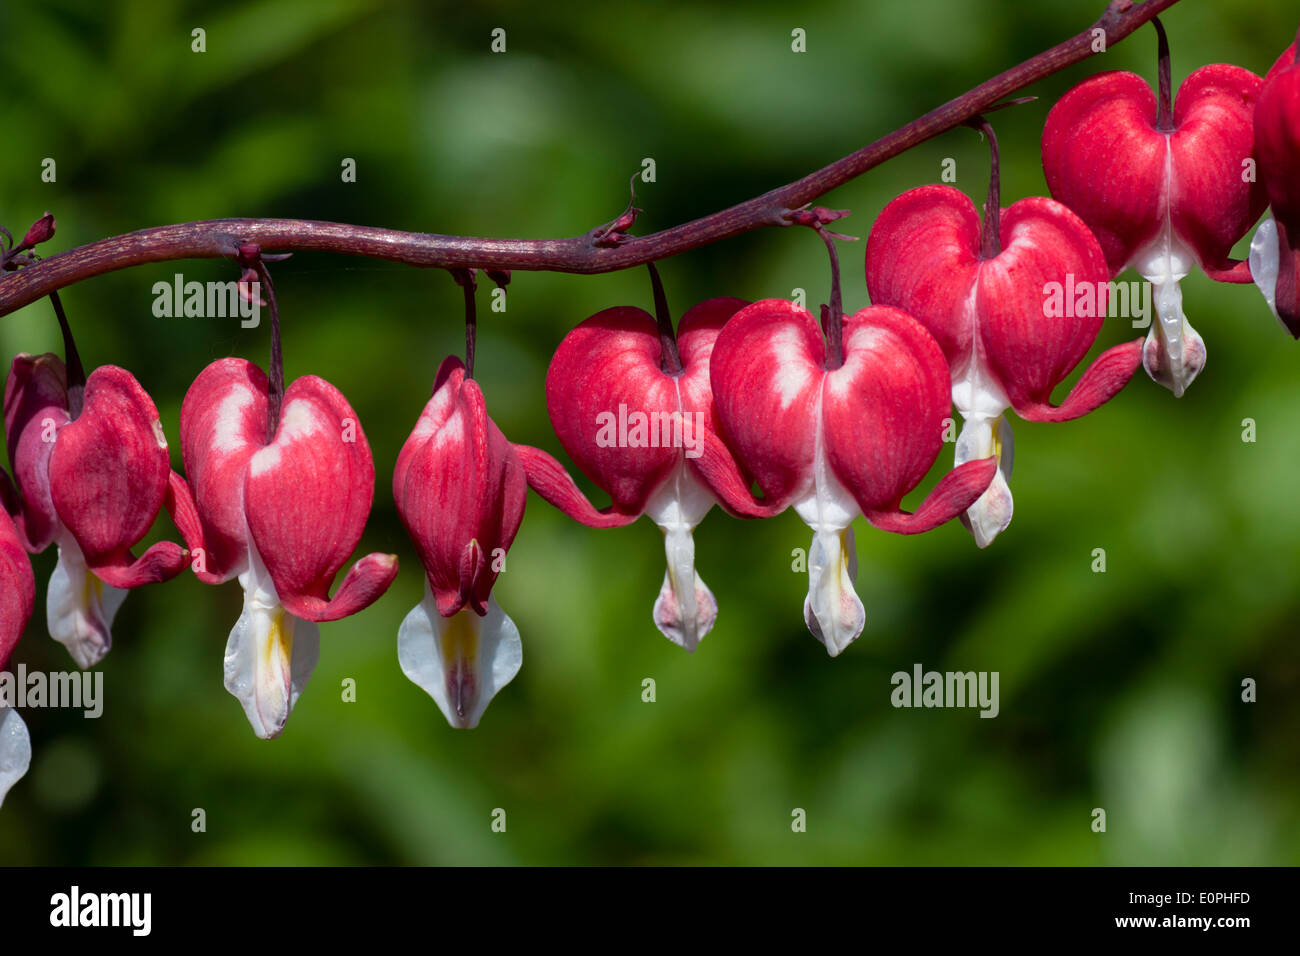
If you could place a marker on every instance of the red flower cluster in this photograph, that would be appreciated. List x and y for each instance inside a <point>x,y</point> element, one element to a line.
<point>756,407</point>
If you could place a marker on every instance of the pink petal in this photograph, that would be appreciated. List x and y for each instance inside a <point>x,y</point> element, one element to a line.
<point>1214,132</point>
<point>726,479</point>
<point>223,424</point>
<point>460,489</point>
<point>17,586</point>
<point>956,492</point>
<point>185,515</point>
<point>35,407</point>
<point>1028,351</point>
<point>307,496</point>
<point>1104,159</point>
<point>884,409</point>
<point>548,478</point>
<point>607,368</point>
<point>1099,384</point>
<point>766,371</point>
<point>922,256</point>
<point>109,474</point>
<point>697,333</point>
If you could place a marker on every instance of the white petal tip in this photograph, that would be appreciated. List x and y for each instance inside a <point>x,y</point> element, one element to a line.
<point>461,661</point>
<point>839,632</point>
<point>80,608</point>
<point>1174,352</point>
<point>684,629</point>
<point>991,513</point>
<point>832,610</point>
<point>270,656</point>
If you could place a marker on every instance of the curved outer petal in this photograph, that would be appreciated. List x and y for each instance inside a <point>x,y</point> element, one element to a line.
<point>223,424</point>
<point>1213,205</point>
<point>307,495</point>
<point>460,490</point>
<point>1104,158</point>
<point>604,371</point>
<point>1043,242</point>
<point>884,412</point>
<point>1100,382</point>
<point>548,478</point>
<point>922,257</point>
<point>697,333</point>
<point>766,371</point>
<point>109,474</point>
<point>989,315</point>
<point>35,407</point>
<point>1277,146</point>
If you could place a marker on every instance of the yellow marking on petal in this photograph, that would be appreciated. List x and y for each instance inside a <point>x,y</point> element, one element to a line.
<point>93,598</point>
<point>460,640</point>
<point>279,640</point>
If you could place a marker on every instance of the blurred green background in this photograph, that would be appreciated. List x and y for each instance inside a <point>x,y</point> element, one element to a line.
<point>1119,690</point>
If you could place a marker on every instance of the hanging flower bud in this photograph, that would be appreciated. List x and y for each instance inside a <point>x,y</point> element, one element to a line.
<point>992,314</point>
<point>1163,190</point>
<point>283,516</point>
<point>460,489</point>
<point>94,486</point>
<point>841,442</point>
<point>644,432</point>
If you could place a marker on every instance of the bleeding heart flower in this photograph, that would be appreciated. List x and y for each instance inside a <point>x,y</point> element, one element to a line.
<point>460,489</point>
<point>1162,191</point>
<point>17,599</point>
<point>838,441</point>
<point>94,486</point>
<point>642,430</point>
<point>989,311</point>
<point>283,515</point>
<point>1275,247</point>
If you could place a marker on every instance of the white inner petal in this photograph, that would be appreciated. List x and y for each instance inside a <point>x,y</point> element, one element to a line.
<point>1174,353</point>
<point>1264,255</point>
<point>685,609</point>
<point>975,389</point>
<point>270,655</point>
<point>79,607</point>
<point>15,750</point>
<point>461,661</point>
<point>832,610</point>
<point>982,438</point>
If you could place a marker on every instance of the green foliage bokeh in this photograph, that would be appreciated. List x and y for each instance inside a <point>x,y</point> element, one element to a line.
<point>1118,690</point>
